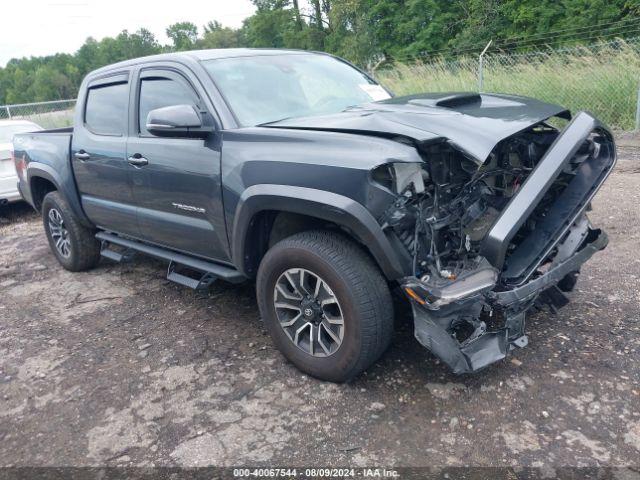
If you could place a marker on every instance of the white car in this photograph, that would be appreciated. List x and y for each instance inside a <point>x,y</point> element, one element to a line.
<point>8,176</point>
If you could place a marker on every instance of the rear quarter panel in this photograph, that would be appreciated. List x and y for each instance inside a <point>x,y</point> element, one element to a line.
<point>46,155</point>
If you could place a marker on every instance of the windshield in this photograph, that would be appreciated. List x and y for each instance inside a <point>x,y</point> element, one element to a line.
<point>264,89</point>
<point>8,131</point>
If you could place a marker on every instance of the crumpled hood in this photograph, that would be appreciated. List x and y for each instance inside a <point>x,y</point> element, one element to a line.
<point>474,123</point>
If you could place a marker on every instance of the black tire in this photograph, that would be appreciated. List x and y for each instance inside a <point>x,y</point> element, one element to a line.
<point>83,248</point>
<point>358,285</point>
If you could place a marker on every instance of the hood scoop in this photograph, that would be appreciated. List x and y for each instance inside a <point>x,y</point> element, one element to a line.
<point>449,101</point>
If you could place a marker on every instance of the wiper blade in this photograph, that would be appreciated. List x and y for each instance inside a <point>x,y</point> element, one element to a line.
<point>274,121</point>
<point>345,109</point>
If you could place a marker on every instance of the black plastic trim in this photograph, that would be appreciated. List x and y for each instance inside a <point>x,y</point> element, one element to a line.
<point>492,346</point>
<point>553,276</point>
<point>67,189</point>
<point>324,205</point>
<point>495,244</point>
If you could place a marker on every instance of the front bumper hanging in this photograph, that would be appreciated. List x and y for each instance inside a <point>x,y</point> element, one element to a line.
<point>431,325</point>
<point>511,283</point>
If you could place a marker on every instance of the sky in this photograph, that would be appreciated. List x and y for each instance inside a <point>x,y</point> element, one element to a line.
<point>44,27</point>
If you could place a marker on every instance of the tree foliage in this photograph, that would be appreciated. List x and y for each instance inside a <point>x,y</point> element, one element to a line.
<point>183,35</point>
<point>363,31</point>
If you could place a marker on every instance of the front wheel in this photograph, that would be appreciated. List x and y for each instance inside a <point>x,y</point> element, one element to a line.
<point>325,304</point>
<point>74,245</point>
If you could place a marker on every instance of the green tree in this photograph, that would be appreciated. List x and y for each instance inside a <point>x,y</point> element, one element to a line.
<point>138,44</point>
<point>351,35</point>
<point>19,87</point>
<point>364,31</point>
<point>273,25</point>
<point>87,57</point>
<point>217,36</point>
<point>183,35</point>
<point>50,84</point>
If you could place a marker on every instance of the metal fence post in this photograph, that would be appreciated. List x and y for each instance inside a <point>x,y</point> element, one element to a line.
<point>480,67</point>
<point>638,110</point>
<point>8,111</point>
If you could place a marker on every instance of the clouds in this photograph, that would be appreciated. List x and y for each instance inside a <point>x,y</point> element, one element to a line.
<point>44,27</point>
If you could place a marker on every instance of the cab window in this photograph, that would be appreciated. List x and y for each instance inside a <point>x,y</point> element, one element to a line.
<point>106,109</point>
<point>158,92</point>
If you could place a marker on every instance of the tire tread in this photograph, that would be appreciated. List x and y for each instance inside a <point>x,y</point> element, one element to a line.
<point>87,253</point>
<point>369,288</point>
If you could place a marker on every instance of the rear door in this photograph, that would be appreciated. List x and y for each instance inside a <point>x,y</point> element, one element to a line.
<point>98,155</point>
<point>178,189</point>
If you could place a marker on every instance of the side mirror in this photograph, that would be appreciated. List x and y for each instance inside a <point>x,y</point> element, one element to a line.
<point>176,121</point>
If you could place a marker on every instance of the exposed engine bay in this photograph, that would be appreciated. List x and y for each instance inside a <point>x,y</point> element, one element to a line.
<point>469,303</point>
<point>446,207</point>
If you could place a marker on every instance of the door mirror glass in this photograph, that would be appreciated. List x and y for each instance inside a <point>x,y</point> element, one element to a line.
<point>176,121</point>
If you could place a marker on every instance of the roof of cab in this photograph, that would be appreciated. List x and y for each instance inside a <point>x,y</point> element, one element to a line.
<point>200,55</point>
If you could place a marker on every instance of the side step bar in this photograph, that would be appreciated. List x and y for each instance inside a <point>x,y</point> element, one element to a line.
<point>119,257</point>
<point>208,271</point>
<point>202,283</point>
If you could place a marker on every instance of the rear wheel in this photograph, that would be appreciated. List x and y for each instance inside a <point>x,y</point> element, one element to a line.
<point>325,304</point>
<point>74,245</point>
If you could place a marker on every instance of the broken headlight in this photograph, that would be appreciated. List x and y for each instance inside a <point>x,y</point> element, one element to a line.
<point>399,177</point>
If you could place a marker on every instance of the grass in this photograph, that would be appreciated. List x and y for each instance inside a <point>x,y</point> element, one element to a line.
<point>602,80</point>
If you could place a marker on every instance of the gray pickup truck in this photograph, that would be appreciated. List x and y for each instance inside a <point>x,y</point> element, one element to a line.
<point>298,170</point>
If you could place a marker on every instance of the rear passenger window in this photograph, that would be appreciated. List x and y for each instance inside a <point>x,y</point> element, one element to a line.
<point>158,92</point>
<point>106,110</point>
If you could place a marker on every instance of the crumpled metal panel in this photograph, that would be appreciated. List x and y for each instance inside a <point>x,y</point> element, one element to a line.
<point>473,123</point>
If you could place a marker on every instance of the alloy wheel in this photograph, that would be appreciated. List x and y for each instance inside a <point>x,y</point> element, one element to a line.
<point>309,312</point>
<point>59,233</point>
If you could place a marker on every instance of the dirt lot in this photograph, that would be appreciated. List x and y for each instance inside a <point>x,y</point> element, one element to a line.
<point>117,366</point>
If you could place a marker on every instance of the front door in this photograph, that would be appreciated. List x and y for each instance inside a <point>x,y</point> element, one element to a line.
<point>98,155</point>
<point>176,181</point>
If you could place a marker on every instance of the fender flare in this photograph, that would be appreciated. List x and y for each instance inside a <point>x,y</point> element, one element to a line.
<point>41,170</point>
<point>320,204</point>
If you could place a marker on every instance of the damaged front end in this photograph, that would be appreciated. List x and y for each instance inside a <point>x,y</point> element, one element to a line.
<point>488,240</point>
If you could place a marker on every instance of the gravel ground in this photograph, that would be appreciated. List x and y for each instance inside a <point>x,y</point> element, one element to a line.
<point>118,366</point>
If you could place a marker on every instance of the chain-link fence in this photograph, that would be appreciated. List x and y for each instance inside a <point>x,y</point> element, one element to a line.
<point>603,78</point>
<point>55,114</point>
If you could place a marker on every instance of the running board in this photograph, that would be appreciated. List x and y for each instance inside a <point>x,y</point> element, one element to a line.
<point>208,271</point>
<point>118,257</point>
<point>202,283</point>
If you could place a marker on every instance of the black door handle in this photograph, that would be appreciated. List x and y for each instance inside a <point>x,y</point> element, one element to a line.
<point>82,155</point>
<point>138,160</point>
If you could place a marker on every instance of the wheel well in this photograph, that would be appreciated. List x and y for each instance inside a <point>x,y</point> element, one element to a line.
<point>39,188</point>
<point>268,227</point>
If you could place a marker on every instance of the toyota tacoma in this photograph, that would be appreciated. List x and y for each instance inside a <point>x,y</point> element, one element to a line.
<point>299,171</point>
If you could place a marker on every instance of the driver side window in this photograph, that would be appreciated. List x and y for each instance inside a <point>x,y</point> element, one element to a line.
<point>158,92</point>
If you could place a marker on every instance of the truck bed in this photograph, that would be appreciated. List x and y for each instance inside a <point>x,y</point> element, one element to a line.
<point>52,130</point>
<point>47,152</point>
